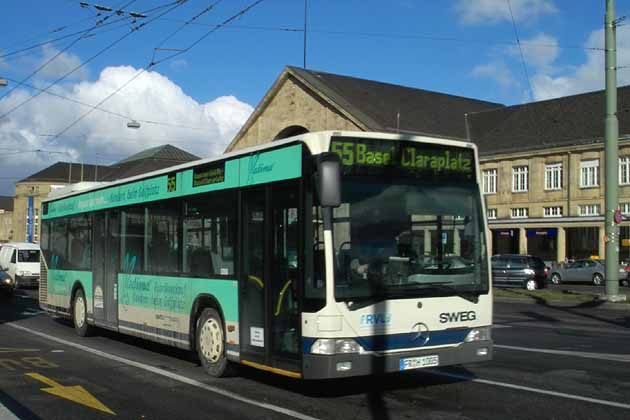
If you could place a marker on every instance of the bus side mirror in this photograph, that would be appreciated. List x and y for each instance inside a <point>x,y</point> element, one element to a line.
<point>329,179</point>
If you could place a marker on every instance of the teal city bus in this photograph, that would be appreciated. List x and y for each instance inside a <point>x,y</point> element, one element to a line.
<point>325,255</point>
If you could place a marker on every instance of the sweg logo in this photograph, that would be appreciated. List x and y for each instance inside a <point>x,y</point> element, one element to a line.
<point>376,319</point>
<point>457,316</point>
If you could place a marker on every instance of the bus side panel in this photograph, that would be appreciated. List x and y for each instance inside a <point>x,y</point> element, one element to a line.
<point>60,284</point>
<point>158,307</point>
<point>226,293</point>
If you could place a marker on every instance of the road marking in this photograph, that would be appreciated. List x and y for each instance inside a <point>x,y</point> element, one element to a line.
<point>529,389</point>
<point>501,326</point>
<point>15,350</point>
<point>550,326</point>
<point>6,414</point>
<point>624,358</point>
<point>171,375</point>
<point>75,393</point>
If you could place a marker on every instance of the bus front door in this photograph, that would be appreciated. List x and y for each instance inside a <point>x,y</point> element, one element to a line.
<point>105,262</point>
<point>270,330</point>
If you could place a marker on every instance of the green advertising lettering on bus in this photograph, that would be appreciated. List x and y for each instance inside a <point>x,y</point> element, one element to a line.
<point>258,168</point>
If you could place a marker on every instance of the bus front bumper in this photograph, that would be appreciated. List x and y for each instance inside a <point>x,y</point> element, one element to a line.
<point>317,366</point>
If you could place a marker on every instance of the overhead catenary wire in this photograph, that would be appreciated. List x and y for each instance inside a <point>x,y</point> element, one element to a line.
<point>174,4</point>
<point>155,63</point>
<point>426,37</point>
<point>520,50</point>
<point>216,28</point>
<point>56,30</point>
<point>50,60</point>
<point>107,111</point>
<point>100,31</point>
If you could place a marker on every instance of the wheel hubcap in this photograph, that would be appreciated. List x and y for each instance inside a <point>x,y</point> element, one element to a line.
<point>79,311</point>
<point>211,340</point>
<point>531,285</point>
<point>598,280</point>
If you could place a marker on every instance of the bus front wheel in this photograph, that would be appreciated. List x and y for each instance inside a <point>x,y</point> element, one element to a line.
<point>79,314</point>
<point>211,343</point>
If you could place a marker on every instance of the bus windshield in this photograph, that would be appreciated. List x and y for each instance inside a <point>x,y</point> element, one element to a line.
<point>410,238</point>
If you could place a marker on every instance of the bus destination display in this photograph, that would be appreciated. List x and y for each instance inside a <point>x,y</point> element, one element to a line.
<point>213,173</point>
<point>361,156</point>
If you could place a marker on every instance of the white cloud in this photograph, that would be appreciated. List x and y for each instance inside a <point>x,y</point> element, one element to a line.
<point>588,76</point>
<point>497,71</point>
<point>151,97</point>
<point>60,65</point>
<point>492,11</point>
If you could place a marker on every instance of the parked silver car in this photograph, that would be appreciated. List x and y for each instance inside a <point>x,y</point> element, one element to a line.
<point>585,271</point>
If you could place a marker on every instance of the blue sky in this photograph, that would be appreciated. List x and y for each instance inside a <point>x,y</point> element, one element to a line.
<point>461,47</point>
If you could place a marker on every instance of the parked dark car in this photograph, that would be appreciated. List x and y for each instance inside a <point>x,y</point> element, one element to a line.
<point>7,285</point>
<point>524,271</point>
<point>586,271</point>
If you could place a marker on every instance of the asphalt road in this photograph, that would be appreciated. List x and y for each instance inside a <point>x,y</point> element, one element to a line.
<point>550,363</point>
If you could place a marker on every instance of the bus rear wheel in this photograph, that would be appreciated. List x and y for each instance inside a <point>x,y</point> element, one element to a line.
<point>211,343</point>
<point>79,314</point>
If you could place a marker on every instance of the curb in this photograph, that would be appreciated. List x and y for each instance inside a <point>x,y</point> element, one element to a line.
<point>593,304</point>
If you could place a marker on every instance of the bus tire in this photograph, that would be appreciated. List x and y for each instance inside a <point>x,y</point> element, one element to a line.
<point>210,343</point>
<point>79,314</point>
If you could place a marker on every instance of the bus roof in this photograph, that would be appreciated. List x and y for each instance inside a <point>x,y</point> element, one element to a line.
<point>317,142</point>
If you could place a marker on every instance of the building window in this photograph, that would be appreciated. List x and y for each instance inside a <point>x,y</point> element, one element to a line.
<point>492,214</point>
<point>589,173</point>
<point>553,211</point>
<point>624,171</point>
<point>553,176</point>
<point>625,208</point>
<point>588,210</point>
<point>520,213</point>
<point>489,177</point>
<point>520,178</point>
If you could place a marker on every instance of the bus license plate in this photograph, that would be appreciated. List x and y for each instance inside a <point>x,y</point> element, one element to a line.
<point>419,362</point>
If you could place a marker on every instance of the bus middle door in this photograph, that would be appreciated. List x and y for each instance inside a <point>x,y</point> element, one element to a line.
<point>105,261</point>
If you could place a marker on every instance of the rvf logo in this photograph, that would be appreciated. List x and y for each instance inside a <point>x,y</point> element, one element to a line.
<point>376,320</point>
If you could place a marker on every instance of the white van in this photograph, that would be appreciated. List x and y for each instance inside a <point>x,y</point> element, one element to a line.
<point>21,261</point>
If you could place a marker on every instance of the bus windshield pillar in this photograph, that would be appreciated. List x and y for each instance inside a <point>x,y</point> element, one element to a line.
<point>327,214</point>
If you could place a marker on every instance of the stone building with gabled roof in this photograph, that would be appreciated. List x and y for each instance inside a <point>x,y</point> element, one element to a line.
<point>30,191</point>
<point>542,162</point>
<point>304,100</point>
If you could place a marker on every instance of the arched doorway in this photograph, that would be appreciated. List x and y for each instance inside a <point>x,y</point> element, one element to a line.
<point>290,131</point>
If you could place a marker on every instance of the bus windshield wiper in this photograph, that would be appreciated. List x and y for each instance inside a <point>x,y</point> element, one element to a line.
<point>471,296</point>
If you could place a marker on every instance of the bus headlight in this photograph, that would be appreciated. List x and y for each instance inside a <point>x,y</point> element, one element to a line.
<point>478,334</point>
<point>335,346</point>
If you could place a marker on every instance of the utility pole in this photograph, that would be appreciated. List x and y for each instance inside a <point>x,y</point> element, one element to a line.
<point>611,159</point>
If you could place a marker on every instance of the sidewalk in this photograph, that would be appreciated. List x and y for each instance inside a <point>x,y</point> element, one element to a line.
<point>599,304</point>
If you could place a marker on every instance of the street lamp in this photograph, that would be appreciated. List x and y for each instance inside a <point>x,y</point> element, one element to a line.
<point>133,124</point>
